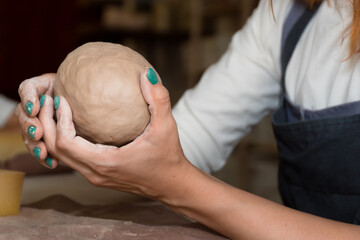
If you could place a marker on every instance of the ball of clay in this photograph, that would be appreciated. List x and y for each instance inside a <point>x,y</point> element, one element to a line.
<point>101,82</point>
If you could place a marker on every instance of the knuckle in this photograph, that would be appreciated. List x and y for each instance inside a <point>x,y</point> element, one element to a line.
<point>18,110</point>
<point>162,95</point>
<point>21,87</point>
<point>96,181</point>
<point>60,143</point>
<point>98,167</point>
<point>25,84</point>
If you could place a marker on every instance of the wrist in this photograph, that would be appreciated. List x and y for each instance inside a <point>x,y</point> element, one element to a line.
<point>207,200</point>
<point>188,191</point>
<point>175,188</point>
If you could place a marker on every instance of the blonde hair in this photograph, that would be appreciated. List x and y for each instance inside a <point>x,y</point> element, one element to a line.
<point>354,29</point>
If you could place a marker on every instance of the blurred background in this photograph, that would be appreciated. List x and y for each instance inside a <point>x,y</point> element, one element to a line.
<point>180,38</point>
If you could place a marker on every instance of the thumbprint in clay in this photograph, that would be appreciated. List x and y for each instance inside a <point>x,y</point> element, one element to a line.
<point>101,82</point>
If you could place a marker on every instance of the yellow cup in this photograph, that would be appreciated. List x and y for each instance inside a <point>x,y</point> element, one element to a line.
<point>11,183</point>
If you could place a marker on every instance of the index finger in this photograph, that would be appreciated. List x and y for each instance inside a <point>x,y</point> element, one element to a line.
<point>31,89</point>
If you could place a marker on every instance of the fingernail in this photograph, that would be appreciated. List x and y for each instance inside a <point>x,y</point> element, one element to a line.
<point>29,107</point>
<point>31,131</point>
<point>37,151</point>
<point>42,100</point>
<point>48,161</point>
<point>56,102</point>
<point>151,75</point>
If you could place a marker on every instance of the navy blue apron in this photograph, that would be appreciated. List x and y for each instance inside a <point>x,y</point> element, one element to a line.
<point>319,170</point>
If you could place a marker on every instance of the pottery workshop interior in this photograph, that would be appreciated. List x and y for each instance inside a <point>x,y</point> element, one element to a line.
<point>107,65</point>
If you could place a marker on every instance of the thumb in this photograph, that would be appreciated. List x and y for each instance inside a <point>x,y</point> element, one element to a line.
<point>155,95</point>
<point>65,126</point>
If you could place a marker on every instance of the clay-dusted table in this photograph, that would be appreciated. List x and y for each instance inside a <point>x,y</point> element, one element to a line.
<point>58,217</point>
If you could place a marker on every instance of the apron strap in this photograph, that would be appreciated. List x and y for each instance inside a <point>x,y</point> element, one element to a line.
<point>295,24</point>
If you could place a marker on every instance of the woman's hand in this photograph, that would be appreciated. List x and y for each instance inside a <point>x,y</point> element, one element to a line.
<point>32,93</point>
<point>149,166</point>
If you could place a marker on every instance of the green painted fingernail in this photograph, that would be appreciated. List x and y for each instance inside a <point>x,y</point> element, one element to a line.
<point>48,161</point>
<point>37,151</point>
<point>29,107</point>
<point>56,102</point>
<point>31,131</point>
<point>151,75</point>
<point>42,100</point>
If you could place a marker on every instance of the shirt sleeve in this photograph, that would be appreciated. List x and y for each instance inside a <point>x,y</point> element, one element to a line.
<point>235,93</point>
<point>7,107</point>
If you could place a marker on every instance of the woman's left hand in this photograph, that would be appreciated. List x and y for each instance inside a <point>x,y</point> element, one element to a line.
<point>149,166</point>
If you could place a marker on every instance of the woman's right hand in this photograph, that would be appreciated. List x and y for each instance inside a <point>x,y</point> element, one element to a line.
<point>32,93</point>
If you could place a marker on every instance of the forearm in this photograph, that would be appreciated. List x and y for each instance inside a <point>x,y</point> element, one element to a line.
<point>241,215</point>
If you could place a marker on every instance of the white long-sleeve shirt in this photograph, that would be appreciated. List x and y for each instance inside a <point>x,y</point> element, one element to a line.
<point>244,85</point>
<point>7,107</point>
